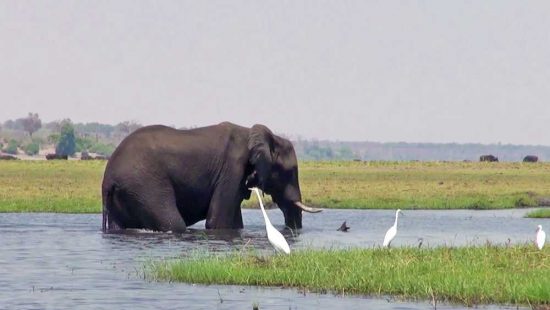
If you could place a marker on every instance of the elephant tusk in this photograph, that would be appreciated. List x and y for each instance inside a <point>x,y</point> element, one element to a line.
<point>306,208</point>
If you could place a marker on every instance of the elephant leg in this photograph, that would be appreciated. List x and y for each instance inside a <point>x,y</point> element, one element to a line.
<point>165,213</point>
<point>153,208</point>
<point>224,211</point>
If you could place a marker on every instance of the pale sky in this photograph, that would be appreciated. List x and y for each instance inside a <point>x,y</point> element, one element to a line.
<point>426,71</point>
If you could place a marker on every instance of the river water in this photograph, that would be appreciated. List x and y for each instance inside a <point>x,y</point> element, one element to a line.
<point>63,261</point>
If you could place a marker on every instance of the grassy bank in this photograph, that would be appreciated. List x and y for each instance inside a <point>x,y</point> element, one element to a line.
<point>431,185</point>
<point>74,186</point>
<point>539,213</point>
<point>514,275</point>
<point>51,186</point>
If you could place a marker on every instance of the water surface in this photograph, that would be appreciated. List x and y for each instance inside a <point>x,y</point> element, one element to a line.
<point>63,261</point>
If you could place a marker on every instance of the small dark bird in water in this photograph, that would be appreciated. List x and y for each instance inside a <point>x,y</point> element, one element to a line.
<point>344,227</point>
<point>420,241</point>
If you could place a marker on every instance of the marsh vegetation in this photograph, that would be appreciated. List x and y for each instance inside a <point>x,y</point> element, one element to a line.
<point>539,213</point>
<point>472,275</point>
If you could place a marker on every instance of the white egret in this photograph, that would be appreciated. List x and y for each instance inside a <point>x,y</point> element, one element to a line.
<point>541,237</point>
<point>390,234</point>
<point>273,235</point>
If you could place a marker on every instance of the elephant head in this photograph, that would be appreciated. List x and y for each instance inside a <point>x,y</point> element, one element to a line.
<point>274,169</point>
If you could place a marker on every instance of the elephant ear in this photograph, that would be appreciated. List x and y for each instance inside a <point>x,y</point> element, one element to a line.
<point>260,146</point>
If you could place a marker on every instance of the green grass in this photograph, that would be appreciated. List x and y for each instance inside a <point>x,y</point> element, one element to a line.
<point>539,213</point>
<point>51,186</point>
<point>424,185</point>
<point>74,186</point>
<point>478,275</point>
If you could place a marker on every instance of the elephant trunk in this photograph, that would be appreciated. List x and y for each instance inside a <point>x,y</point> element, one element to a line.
<point>306,208</point>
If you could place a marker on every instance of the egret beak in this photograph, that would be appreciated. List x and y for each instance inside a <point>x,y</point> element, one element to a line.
<point>252,189</point>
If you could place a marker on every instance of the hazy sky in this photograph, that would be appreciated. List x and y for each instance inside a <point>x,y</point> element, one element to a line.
<point>426,71</point>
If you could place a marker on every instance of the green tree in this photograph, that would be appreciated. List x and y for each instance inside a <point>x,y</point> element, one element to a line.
<point>83,144</point>
<point>32,148</point>
<point>12,147</point>
<point>66,144</point>
<point>53,138</point>
<point>103,149</point>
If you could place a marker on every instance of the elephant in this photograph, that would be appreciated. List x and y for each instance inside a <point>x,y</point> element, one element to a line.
<point>488,158</point>
<point>530,159</point>
<point>165,179</point>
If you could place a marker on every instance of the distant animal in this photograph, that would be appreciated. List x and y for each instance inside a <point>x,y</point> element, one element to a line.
<point>420,241</point>
<point>274,236</point>
<point>8,157</point>
<point>541,237</point>
<point>490,158</point>
<point>56,156</point>
<point>530,159</point>
<point>390,234</point>
<point>343,227</point>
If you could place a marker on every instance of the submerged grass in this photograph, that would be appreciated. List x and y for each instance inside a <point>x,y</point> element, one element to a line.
<point>539,213</point>
<point>478,275</point>
<point>74,186</point>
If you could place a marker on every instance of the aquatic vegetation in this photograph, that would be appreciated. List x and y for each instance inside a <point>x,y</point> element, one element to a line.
<point>539,213</point>
<point>469,275</point>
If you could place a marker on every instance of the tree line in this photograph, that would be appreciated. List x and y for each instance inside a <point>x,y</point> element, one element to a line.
<point>29,134</point>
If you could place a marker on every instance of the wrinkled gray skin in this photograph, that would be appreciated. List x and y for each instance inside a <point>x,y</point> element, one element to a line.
<point>164,179</point>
